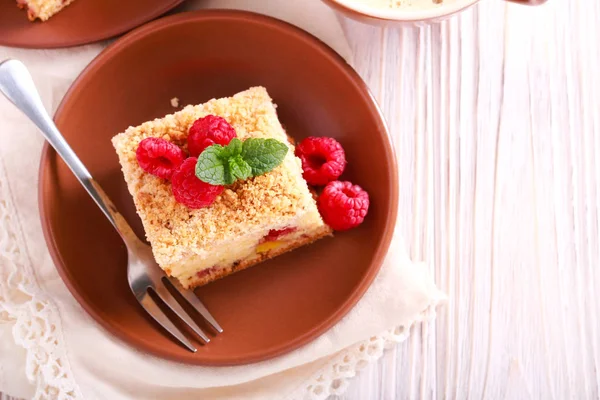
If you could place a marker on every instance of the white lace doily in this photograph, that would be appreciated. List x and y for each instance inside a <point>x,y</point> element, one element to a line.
<point>37,326</point>
<point>333,378</point>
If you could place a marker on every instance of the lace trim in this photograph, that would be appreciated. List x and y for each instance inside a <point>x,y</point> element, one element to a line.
<point>333,378</point>
<point>37,327</point>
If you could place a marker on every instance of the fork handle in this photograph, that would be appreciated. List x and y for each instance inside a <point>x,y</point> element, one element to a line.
<point>17,85</point>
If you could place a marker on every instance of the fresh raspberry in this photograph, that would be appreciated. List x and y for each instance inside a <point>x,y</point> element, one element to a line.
<point>159,157</point>
<point>191,191</point>
<point>323,159</point>
<point>207,131</point>
<point>343,205</point>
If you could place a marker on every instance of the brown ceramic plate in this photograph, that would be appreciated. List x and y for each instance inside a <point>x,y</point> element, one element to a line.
<point>271,308</point>
<point>84,21</point>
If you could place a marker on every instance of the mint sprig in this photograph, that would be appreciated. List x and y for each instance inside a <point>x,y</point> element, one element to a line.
<point>238,169</point>
<point>223,165</point>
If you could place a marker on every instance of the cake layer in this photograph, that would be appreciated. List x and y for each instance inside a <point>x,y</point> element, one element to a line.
<point>245,246</point>
<point>265,251</point>
<point>187,241</point>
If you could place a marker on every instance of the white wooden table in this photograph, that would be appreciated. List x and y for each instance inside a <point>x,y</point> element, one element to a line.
<point>495,115</point>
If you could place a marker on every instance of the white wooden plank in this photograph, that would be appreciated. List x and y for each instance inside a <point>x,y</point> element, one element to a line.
<point>495,116</point>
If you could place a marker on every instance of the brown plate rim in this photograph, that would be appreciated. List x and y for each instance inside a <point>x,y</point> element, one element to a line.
<point>392,211</point>
<point>94,38</point>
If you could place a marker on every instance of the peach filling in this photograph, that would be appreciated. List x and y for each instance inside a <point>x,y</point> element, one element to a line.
<point>271,240</point>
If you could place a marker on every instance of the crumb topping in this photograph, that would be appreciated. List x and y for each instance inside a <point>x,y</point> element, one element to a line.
<point>176,231</point>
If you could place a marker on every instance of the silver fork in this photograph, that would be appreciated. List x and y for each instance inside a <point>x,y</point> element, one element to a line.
<point>143,274</point>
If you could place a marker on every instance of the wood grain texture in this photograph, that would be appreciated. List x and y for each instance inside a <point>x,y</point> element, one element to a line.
<point>495,115</point>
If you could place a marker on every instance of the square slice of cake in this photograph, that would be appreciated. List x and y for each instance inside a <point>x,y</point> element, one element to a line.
<point>42,9</point>
<point>251,221</point>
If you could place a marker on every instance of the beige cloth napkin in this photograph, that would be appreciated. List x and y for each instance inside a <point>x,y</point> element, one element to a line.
<point>50,348</point>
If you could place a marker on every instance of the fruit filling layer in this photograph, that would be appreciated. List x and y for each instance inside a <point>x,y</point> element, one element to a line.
<point>277,240</point>
<point>251,245</point>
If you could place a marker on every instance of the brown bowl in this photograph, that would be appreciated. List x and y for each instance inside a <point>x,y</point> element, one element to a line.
<point>84,21</point>
<point>268,309</point>
<point>406,16</point>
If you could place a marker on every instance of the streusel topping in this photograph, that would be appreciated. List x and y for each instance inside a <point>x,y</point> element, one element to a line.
<point>176,231</point>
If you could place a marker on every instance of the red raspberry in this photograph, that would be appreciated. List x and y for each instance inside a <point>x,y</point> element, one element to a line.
<point>275,234</point>
<point>191,191</point>
<point>207,131</point>
<point>159,157</point>
<point>343,205</point>
<point>323,159</point>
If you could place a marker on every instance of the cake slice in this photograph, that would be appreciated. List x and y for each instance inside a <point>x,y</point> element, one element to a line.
<point>251,221</point>
<point>42,9</point>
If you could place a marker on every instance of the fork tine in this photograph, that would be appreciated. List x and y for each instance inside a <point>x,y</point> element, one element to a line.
<point>159,316</point>
<point>162,292</point>
<point>195,302</point>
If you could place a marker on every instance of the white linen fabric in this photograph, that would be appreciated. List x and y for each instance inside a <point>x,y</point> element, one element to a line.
<point>51,349</point>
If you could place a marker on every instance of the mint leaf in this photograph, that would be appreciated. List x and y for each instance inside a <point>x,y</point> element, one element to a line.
<point>234,148</point>
<point>238,168</point>
<point>210,167</point>
<point>262,155</point>
<point>239,160</point>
